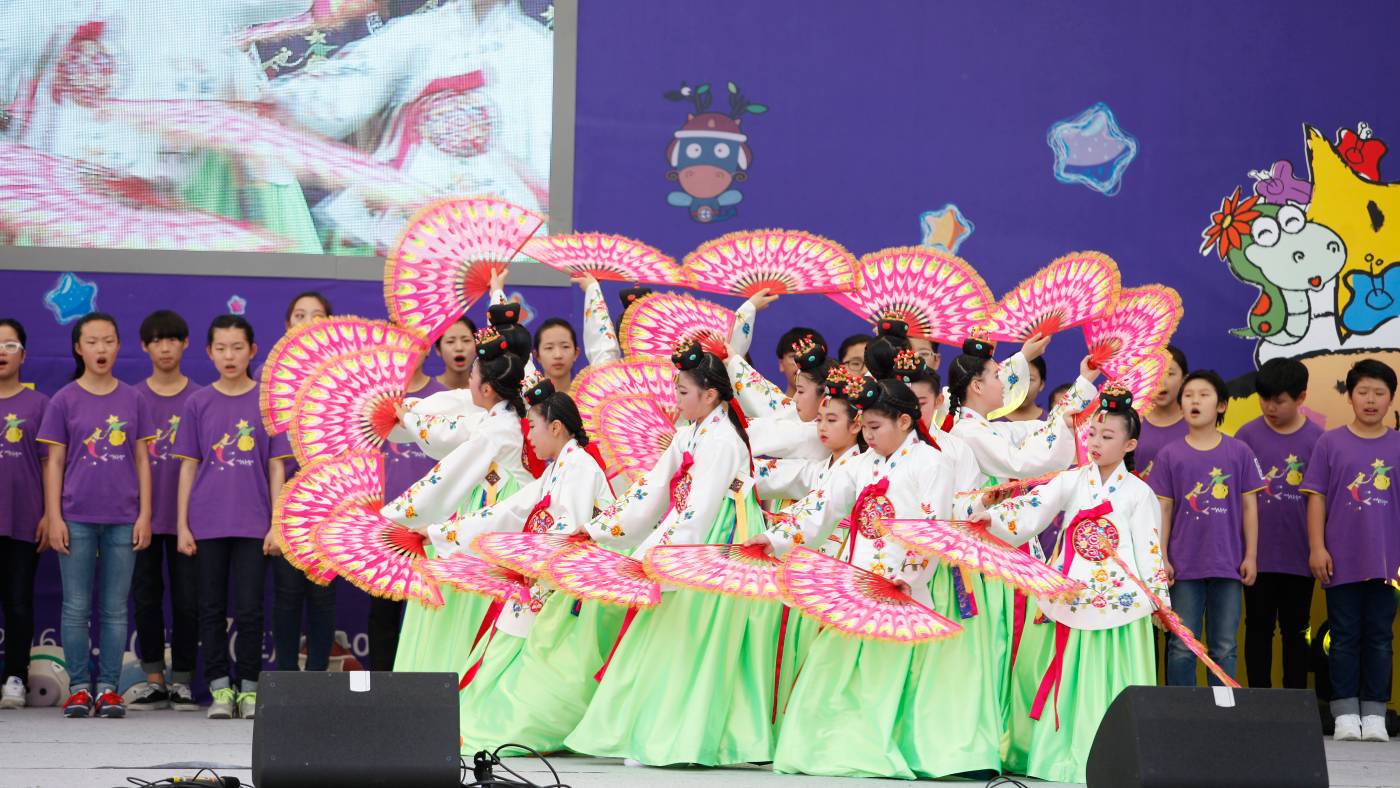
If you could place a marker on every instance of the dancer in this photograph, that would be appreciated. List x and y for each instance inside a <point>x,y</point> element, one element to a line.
<point>1103,636</point>
<point>859,692</point>
<point>531,680</point>
<point>483,470</point>
<point>698,666</point>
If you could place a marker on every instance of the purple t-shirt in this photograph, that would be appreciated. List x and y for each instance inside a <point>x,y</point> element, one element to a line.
<point>1283,508</point>
<point>1151,442</point>
<point>99,431</point>
<point>225,435</point>
<point>165,466</point>
<point>1357,476</point>
<point>21,474</point>
<point>1207,538</point>
<point>405,463</point>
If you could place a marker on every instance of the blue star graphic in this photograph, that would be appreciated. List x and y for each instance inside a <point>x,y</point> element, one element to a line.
<point>1092,149</point>
<point>71,298</point>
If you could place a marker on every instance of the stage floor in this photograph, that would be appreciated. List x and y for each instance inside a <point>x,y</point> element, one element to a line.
<point>38,747</point>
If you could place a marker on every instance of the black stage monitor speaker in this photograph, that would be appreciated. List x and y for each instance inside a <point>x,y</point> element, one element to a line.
<point>319,729</point>
<point>1203,737</point>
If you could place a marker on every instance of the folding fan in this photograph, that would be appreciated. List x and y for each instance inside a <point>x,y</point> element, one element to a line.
<point>53,201</point>
<point>595,385</point>
<point>855,602</point>
<point>938,295</point>
<point>746,571</point>
<point>595,574</point>
<point>1068,292</point>
<point>246,129</point>
<point>524,552</point>
<point>1141,321</point>
<point>350,404</point>
<point>971,545</point>
<point>307,500</point>
<point>444,261</point>
<point>296,358</point>
<point>379,556</point>
<point>607,257</point>
<point>655,324</point>
<point>780,261</point>
<point>633,432</point>
<point>1097,540</point>
<point>473,575</point>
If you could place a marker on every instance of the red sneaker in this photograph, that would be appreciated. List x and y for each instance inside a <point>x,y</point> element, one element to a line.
<point>110,704</point>
<point>79,704</point>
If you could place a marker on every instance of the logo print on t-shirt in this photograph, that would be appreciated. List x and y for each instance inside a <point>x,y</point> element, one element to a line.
<point>159,447</point>
<point>1378,480</point>
<point>1292,474</point>
<point>227,448</point>
<point>1199,497</point>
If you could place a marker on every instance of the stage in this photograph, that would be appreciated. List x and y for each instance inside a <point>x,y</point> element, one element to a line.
<point>39,748</point>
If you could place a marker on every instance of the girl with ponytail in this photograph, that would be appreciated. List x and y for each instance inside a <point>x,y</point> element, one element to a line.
<point>1109,646</point>
<point>1003,451</point>
<point>699,666</point>
<point>530,680</point>
<point>901,475</point>
<point>483,470</point>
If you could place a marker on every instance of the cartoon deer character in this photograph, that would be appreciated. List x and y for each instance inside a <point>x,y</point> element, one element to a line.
<point>710,153</point>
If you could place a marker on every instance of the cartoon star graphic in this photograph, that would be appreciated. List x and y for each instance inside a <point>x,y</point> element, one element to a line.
<point>1291,459</point>
<point>1214,471</point>
<point>945,228</point>
<point>71,298</point>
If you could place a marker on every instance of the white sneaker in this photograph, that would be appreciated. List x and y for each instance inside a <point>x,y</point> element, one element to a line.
<point>12,697</point>
<point>1373,728</point>
<point>1348,728</point>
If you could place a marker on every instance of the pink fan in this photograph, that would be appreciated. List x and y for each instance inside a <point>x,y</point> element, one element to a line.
<point>297,357</point>
<point>606,257</point>
<point>379,556</point>
<point>53,201</point>
<point>970,545</point>
<point>473,575</point>
<point>1142,320</point>
<point>595,574</point>
<point>444,261</point>
<point>350,404</point>
<point>634,430</point>
<point>780,261</point>
<point>316,494</point>
<point>856,602</point>
<point>595,385</point>
<point>1097,540</point>
<point>745,571</point>
<point>1068,292</point>
<point>246,129</point>
<point>655,324</point>
<point>524,552</point>
<point>938,295</point>
<point>324,15</point>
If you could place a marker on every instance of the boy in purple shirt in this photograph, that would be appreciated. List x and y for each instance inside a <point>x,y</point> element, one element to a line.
<point>98,496</point>
<point>231,474</point>
<point>1283,440</point>
<point>165,337</point>
<point>21,509</point>
<point>1207,484</point>
<point>1354,533</point>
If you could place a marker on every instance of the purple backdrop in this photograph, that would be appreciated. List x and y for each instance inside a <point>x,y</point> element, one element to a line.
<point>882,110</point>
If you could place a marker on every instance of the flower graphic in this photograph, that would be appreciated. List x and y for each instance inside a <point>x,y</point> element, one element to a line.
<point>1230,224</point>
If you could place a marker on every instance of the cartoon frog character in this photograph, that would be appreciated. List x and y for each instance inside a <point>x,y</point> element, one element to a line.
<point>1277,250</point>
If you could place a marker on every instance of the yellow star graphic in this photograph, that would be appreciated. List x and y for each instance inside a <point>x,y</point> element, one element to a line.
<point>10,417</point>
<point>1378,464</point>
<point>1214,471</point>
<point>242,424</point>
<point>112,419</point>
<point>1291,459</point>
<point>316,37</point>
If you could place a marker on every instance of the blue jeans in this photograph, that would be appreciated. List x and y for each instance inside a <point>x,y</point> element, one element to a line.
<point>1218,601</point>
<point>1361,616</point>
<point>93,547</point>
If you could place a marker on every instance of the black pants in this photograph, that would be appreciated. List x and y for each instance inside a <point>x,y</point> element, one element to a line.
<point>1285,600</point>
<point>242,560</point>
<point>385,621</point>
<point>148,596</point>
<point>18,562</point>
<point>291,589</point>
